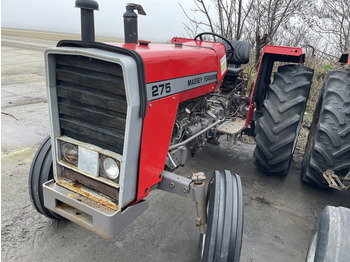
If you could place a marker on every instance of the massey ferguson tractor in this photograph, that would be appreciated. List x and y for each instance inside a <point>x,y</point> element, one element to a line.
<point>124,116</point>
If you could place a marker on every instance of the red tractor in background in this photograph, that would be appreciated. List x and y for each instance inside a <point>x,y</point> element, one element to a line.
<point>124,116</point>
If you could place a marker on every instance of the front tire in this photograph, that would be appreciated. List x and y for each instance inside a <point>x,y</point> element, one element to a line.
<point>40,172</point>
<point>328,145</point>
<point>282,115</point>
<point>223,238</point>
<point>330,236</point>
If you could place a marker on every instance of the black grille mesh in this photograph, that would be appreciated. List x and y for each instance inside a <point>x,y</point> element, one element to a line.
<point>91,101</point>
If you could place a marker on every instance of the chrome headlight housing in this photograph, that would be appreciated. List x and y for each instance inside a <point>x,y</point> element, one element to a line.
<point>89,160</point>
<point>69,153</point>
<point>110,168</point>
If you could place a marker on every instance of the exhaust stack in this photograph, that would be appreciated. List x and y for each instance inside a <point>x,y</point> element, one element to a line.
<point>87,19</point>
<point>130,22</point>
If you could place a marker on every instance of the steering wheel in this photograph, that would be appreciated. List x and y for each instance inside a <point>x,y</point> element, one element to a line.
<point>229,52</point>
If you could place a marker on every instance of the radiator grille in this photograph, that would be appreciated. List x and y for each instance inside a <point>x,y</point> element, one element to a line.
<point>91,101</point>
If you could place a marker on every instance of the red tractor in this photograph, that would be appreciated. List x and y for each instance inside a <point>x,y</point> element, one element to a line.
<point>124,116</point>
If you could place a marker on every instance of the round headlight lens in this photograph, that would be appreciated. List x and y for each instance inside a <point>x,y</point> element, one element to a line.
<point>111,168</point>
<point>70,153</point>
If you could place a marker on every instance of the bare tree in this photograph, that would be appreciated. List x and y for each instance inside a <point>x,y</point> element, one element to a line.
<point>258,21</point>
<point>271,18</point>
<point>332,23</point>
<point>224,17</point>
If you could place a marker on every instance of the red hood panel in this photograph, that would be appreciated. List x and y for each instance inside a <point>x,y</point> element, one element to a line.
<point>168,61</point>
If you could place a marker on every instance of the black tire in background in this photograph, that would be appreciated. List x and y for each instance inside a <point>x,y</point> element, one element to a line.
<point>41,172</point>
<point>278,128</point>
<point>330,237</point>
<point>223,238</point>
<point>328,145</point>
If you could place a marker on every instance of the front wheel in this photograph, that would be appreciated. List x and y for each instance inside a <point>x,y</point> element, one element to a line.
<point>282,115</point>
<point>40,172</point>
<point>223,238</point>
<point>330,237</point>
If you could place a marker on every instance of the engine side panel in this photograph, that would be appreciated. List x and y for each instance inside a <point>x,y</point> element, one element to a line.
<point>157,130</point>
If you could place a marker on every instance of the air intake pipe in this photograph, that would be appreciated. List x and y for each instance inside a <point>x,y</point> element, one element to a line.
<point>130,22</point>
<point>87,19</point>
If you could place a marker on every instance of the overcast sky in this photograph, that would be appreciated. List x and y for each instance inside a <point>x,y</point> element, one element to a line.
<point>163,21</point>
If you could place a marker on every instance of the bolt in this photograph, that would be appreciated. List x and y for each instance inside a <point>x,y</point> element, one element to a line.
<point>184,189</point>
<point>172,185</point>
<point>150,105</point>
<point>174,97</point>
<point>198,221</point>
<point>198,178</point>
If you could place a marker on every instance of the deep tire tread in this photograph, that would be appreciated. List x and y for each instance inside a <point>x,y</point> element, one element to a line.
<point>291,104</point>
<point>272,111</point>
<point>281,97</point>
<point>331,142</point>
<point>288,122</point>
<point>282,116</point>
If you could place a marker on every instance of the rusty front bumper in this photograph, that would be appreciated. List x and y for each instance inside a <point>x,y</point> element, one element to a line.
<point>94,216</point>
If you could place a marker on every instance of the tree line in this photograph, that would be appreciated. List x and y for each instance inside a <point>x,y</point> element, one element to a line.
<point>321,27</point>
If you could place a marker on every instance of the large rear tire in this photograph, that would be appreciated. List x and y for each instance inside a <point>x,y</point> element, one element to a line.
<point>330,236</point>
<point>328,145</point>
<point>282,115</point>
<point>223,238</point>
<point>40,172</point>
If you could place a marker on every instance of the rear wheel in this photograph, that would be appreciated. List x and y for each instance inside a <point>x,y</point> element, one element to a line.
<point>279,126</point>
<point>40,172</point>
<point>330,236</point>
<point>328,145</point>
<point>223,238</point>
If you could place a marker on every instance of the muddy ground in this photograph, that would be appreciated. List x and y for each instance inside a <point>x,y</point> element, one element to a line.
<point>279,211</point>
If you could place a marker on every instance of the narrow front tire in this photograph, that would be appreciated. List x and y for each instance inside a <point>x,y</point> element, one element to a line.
<point>223,238</point>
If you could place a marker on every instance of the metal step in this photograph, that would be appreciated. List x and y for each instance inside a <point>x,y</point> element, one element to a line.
<point>232,129</point>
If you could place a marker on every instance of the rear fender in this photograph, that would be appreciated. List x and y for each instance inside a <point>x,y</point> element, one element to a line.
<point>270,55</point>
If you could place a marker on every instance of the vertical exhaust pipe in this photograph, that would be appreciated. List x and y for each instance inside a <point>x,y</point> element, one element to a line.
<point>130,22</point>
<point>87,19</point>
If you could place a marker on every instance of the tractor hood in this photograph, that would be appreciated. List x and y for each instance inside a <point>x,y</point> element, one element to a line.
<point>182,58</point>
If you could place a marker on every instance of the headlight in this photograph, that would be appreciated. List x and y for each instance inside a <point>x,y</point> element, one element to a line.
<point>69,153</point>
<point>111,168</point>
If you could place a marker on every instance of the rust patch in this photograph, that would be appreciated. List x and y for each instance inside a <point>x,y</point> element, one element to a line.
<point>79,180</point>
<point>95,200</point>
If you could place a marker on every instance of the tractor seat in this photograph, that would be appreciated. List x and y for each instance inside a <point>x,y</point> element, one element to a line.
<point>233,71</point>
<point>241,52</point>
